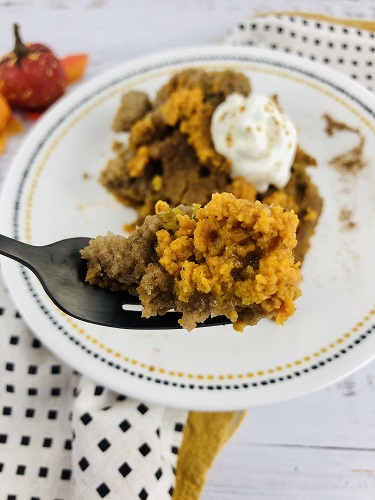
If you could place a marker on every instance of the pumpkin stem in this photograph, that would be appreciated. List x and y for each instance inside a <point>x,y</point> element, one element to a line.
<point>20,48</point>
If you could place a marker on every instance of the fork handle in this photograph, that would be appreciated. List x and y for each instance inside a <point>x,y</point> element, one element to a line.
<point>16,250</point>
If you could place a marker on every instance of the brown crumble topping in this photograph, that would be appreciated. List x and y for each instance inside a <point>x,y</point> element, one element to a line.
<point>351,160</point>
<point>346,217</point>
<point>333,126</point>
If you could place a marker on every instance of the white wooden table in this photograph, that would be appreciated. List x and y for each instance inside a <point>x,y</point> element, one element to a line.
<point>321,446</point>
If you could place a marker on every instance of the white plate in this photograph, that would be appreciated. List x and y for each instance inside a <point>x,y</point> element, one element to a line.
<point>47,198</point>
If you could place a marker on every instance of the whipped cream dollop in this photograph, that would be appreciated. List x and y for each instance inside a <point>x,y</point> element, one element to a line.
<point>258,139</point>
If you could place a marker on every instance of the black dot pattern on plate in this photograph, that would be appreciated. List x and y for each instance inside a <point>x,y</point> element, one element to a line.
<point>316,40</point>
<point>26,275</point>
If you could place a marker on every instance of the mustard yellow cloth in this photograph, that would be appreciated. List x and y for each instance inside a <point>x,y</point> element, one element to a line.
<point>354,23</point>
<point>204,436</point>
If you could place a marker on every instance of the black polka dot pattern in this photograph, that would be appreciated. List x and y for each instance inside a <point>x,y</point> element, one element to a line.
<point>58,429</point>
<point>343,48</point>
<point>33,414</point>
<point>96,442</point>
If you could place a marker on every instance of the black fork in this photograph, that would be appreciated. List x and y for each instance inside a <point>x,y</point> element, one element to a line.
<point>61,271</point>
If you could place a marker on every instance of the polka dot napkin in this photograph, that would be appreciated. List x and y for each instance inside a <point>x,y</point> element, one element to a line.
<point>344,45</point>
<point>64,437</point>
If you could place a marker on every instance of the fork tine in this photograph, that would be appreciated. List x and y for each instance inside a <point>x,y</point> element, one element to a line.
<point>133,320</point>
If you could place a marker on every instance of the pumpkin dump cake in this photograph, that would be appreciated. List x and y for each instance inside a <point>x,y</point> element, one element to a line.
<point>235,206</point>
<point>230,257</point>
<point>205,132</point>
